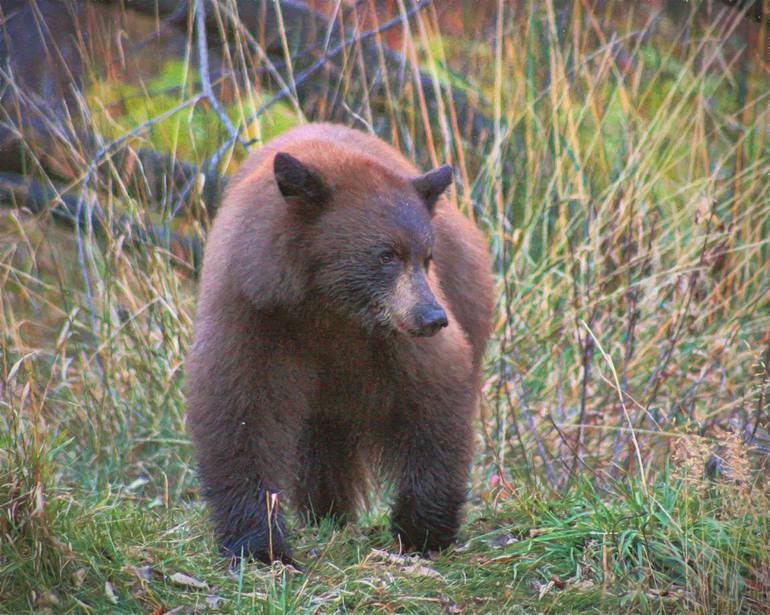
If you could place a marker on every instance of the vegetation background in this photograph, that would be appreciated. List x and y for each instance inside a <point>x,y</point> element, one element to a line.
<point>617,156</point>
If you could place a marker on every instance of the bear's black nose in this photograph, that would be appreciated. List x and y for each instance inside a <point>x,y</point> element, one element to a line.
<point>431,320</point>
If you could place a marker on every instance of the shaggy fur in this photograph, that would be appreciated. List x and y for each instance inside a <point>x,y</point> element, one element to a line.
<point>344,309</point>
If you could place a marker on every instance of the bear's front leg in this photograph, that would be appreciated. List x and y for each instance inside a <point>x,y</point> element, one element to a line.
<point>436,452</point>
<point>247,517</point>
<point>244,417</point>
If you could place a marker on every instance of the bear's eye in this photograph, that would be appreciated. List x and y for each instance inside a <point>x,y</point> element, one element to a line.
<point>387,257</point>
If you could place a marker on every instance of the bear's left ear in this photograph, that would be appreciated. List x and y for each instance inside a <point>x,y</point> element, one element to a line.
<point>432,185</point>
<point>297,180</point>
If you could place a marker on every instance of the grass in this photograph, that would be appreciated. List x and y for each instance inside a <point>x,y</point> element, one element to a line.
<point>623,182</point>
<point>577,551</point>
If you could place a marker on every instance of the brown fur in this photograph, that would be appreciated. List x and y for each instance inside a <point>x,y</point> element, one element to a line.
<point>303,376</point>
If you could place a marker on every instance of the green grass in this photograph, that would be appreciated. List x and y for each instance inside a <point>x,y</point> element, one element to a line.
<point>623,184</point>
<point>577,551</point>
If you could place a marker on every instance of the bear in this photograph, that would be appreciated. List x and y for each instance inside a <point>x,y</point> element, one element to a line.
<point>343,312</point>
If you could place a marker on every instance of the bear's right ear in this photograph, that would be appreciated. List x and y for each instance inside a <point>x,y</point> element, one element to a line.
<point>296,180</point>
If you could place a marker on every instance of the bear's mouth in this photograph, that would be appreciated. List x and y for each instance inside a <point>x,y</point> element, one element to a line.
<point>422,332</point>
<point>402,326</point>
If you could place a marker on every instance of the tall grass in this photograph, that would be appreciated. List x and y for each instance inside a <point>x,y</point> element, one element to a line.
<point>621,172</point>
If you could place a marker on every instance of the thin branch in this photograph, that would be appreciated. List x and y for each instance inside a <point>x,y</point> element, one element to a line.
<point>113,145</point>
<point>32,195</point>
<point>655,379</point>
<point>100,155</point>
<point>633,315</point>
<point>765,366</point>
<point>571,449</point>
<point>586,341</point>
<point>522,399</point>
<point>203,67</point>
<point>619,390</point>
<point>521,395</point>
<point>334,51</point>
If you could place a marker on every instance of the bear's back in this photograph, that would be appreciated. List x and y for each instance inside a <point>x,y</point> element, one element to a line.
<point>329,140</point>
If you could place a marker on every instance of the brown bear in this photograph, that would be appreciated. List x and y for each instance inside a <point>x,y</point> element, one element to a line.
<point>343,313</point>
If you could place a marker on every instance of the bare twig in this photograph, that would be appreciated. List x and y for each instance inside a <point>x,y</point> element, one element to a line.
<point>637,450</point>
<point>521,395</point>
<point>162,175</point>
<point>103,152</point>
<point>30,194</point>
<point>633,314</point>
<point>690,393</point>
<point>522,399</point>
<point>632,295</point>
<point>113,145</point>
<point>658,375</point>
<point>588,347</point>
<point>334,51</point>
<point>586,341</point>
<point>571,449</point>
<point>203,67</point>
<point>655,380</point>
<point>765,367</point>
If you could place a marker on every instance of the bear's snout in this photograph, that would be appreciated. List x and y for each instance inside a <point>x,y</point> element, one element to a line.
<point>430,319</point>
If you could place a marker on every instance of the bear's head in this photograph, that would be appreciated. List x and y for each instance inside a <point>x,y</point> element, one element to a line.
<point>366,238</point>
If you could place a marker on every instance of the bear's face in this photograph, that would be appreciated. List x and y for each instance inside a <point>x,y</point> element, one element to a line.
<point>379,271</point>
<point>369,251</point>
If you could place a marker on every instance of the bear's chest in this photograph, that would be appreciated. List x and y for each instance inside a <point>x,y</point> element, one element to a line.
<point>352,366</point>
<point>350,371</point>
<point>355,372</point>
